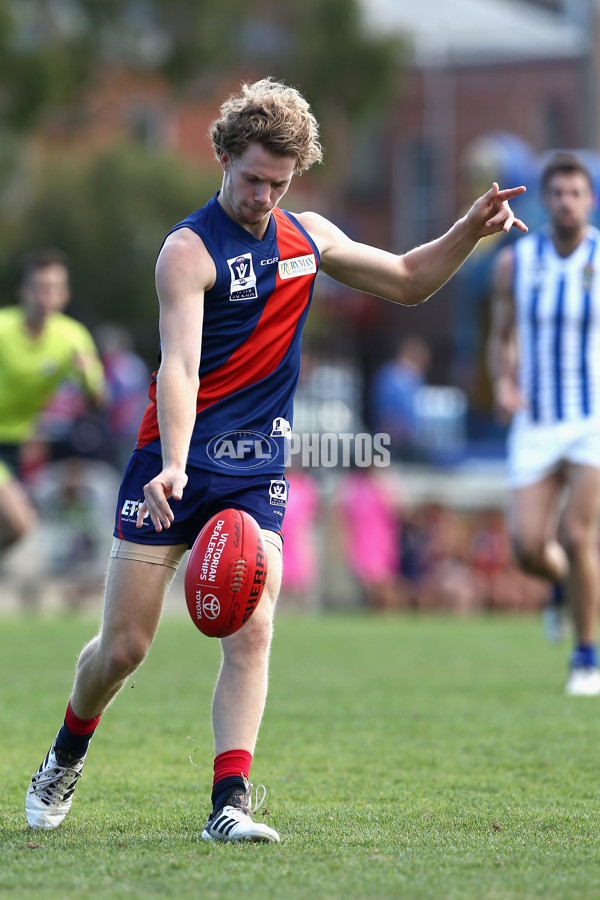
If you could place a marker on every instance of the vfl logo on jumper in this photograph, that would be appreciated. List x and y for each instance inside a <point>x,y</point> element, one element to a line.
<point>242,450</point>
<point>243,279</point>
<point>301,265</point>
<point>278,493</point>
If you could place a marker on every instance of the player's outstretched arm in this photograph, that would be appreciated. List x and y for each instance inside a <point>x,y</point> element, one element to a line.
<point>414,276</point>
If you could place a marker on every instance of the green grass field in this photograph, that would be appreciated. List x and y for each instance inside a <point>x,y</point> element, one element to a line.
<point>409,757</point>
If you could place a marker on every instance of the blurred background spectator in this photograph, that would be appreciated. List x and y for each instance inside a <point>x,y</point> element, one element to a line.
<point>128,380</point>
<point>394,392</point>
<point>40,348</point>
<point>369,528</point>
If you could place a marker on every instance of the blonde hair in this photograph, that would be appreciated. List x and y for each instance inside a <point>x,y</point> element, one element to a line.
<point>274,115</point>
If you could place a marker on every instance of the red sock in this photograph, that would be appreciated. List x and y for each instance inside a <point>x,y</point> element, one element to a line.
<point>75,734</point>
<point>77,725</point>
<point>232,763</point>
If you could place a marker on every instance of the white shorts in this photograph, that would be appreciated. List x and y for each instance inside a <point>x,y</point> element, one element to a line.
<point>535,451</point>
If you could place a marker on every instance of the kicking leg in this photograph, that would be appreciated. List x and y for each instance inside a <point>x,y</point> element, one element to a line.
<point>134,597</point>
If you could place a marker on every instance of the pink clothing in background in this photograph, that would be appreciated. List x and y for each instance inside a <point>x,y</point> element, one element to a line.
<point>300,564</point>
<point>371,527</point>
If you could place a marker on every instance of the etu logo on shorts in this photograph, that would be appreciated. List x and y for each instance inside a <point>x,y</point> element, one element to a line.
<point>131,508</point>
<point>243,279</point>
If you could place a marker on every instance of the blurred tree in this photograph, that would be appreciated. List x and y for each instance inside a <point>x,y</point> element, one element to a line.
<point>323,47</point>
<point>110,209</point>
<point>52,50</point>
<point>109,212</point>
<point>47,59</point>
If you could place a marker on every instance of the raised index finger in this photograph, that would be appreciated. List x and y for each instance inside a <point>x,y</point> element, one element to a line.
<point>509,193</point>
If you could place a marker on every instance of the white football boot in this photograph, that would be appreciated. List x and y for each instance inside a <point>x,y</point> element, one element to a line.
<point>50,793</point>
<point>233,823</point>
<point>583,681</point>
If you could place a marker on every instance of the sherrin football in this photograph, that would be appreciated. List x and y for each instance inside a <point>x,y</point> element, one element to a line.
<point>225,573</point>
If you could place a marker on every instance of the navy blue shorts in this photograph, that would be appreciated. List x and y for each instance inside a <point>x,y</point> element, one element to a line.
<point>206,493</point>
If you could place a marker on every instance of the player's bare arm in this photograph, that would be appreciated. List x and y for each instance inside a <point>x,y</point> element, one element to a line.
<point>414,276</point>
<point>502,346</point>
<point>184,271</point>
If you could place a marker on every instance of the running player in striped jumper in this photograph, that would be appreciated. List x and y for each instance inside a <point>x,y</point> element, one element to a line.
<point>545,361</point>
<point>234,282</point>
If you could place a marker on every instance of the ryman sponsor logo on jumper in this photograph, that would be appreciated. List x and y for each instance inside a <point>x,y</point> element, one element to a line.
<point>243,279</point>
<point>301,265</point>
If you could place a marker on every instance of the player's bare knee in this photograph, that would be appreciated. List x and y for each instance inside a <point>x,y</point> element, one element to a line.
<point>250,642</point>
<point>124,655</point>
<point>529,553</point>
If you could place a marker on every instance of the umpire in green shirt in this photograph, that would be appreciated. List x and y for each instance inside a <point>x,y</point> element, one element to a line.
<point>40,348</point>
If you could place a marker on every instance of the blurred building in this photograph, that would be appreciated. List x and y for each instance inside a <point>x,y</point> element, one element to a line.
<point>477,68</point>
<point>489,86</point>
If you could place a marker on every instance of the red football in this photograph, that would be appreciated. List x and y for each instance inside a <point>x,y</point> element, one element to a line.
<point>226,573</point>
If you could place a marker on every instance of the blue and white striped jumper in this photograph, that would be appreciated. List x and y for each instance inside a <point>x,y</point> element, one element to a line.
<point>558,320</point>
